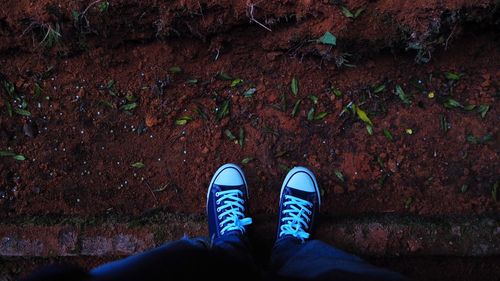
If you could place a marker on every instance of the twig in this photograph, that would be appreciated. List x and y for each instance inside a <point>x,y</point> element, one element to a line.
<point>90,5</point>
<point>250,15</point>
<point>152,193</point>
<point>449,37</point>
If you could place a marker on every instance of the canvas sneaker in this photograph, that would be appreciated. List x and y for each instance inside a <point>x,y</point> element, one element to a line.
<point>227,202</point>
<point>299,204</point>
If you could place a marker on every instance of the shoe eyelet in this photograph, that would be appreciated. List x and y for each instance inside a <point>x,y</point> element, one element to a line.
<point>219,217</point>
<point>218,209</point>
<point>217,194</point>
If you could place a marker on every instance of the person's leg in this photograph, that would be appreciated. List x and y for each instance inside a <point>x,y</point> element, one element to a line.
<point>294,256</point>
<point>317,260</point>
<point>187,258</point>
<point>184,259</point>
<point>224,257</point>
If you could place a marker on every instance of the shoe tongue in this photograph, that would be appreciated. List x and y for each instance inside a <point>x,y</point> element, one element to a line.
<point>228,187</point>
<point>309,196</point>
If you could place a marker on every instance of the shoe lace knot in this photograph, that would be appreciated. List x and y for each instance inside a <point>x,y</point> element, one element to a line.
<point>230,211</point>
<point>296,217</point>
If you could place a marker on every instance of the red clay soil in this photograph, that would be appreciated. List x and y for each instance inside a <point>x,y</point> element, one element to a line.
<point>79,143</point>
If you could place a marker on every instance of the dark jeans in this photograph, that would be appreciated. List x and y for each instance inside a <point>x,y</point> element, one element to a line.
<point>229,259</point>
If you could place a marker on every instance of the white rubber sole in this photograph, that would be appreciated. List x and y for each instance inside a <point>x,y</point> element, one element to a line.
<point>228,165</point>
<point>307,171</point>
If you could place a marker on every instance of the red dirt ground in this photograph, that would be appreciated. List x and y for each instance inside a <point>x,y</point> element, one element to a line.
<point>79,144</point>
<point>79,152</point>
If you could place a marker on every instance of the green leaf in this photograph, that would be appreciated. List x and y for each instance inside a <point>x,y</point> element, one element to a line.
<point>402,96</point>
<point>453,75</point>
<point>128,106</point>
<point>464,188</point>
<point>296,108</point>
<point>369,129</point>
<point>471,138</point>
<point>408,202</point>
<point>4,153</point>
<point>339,175</point>
<point>246,160</point>
<point>103,6</point>
<point>328,39</point>
<point>483,109</point>
<point>241,140</point>
<point>320,116</point>
<point>359,12</point>
<point>111,84</point>
<point>494,191</point>
<point>236,82</point>
<point>9,87</point>
<point>9,108</point>
<point>249,93</point>
<point>130,97</point>
<point>138,165</point>
<point>107,103</point>
<point>229,135</point>
<point>346,12</point>
<point>201,113</point>
<point>222,110</point>
<point>22,112</point>
<point>451,103</point>
<point>443,123</point>
<point>295,86</point>
<point>75,15</point>
<point>19,157</point>
<point>183,120</point>
<point>336,92</point>
<point>379,89</point>
<point>469,107</point>
<point>38,91</point>
<point>487,137</point>
<point>388,135</point>
<point>310,114</point>
<point>362,115</point>
<point>224,76</point>
<point>314,99</point>
<point>175,69</point>
<point>192,81</point>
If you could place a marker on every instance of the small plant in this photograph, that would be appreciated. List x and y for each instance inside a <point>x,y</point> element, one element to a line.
<point>138,165</point>
<point>15,156</point>
<point>175,69</point>
<point>183,120</point>
<point>388,135</point>
<point>451,103</point>
<point>222,110</point>
<point>224,76</point>
<point>340,176</point>
<point>453,76</point>
<point>103,6</point>
<point>294,86</point>
<point>378,89</point>
<point>246,160</point>
<point>128,106</point>
<point>236,82</point>
<point>249,93</point>
<point>479,140</point>
<point>351,15</point>
<point>402,96</point>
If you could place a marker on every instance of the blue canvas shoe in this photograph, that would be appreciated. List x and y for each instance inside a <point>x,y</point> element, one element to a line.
<point>227,202</point>
<point>299,204</point>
